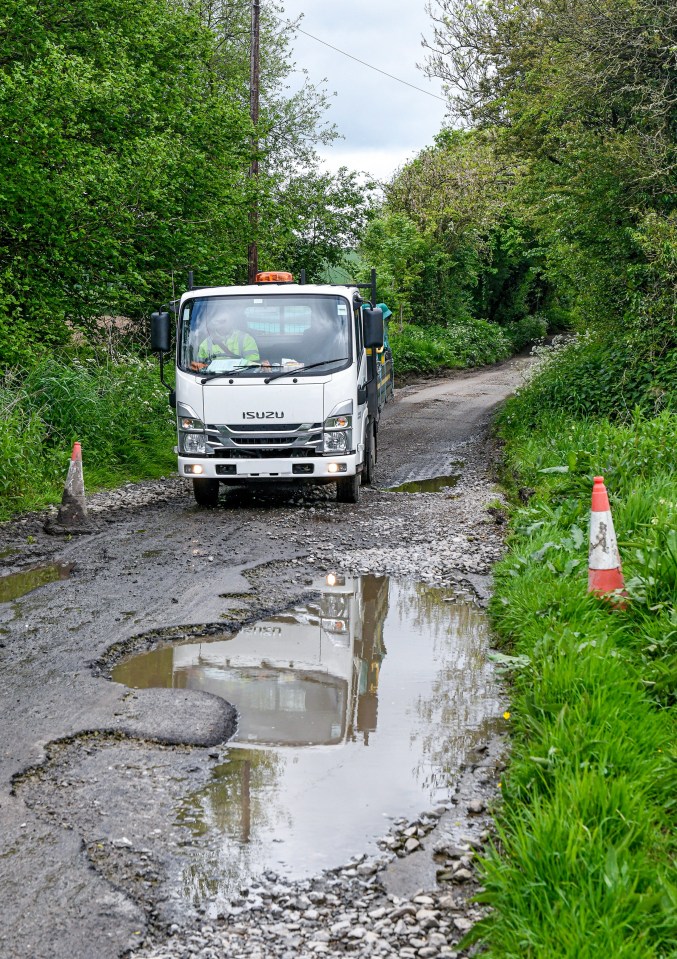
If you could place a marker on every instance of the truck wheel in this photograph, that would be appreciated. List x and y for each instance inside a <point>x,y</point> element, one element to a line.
<point>206,492</point>
<point>348,489</point>
<point>369,457</point>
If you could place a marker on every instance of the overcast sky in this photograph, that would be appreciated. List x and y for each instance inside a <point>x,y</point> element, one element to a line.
<point>383,122</point>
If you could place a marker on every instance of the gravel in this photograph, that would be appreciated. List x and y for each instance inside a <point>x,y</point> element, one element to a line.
<point>449,539</point>
<point>343,911</point>
<point>415,898</point>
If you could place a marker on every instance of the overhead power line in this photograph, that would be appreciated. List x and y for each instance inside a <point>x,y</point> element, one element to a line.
<point>363,62</point>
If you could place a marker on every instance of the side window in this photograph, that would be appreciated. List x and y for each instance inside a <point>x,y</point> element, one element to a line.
<point>358,334</point>
<point>187,347</point>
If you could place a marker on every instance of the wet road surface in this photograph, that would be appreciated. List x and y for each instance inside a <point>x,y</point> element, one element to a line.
<point>99,782</point>
<point>356,707</point>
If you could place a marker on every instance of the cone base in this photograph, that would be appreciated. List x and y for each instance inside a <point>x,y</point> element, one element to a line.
<point>56,529</point>
<point>605,580</point>
<point>608,584</point>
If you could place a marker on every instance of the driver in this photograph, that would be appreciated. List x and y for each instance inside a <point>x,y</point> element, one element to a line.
<point>228,341</point>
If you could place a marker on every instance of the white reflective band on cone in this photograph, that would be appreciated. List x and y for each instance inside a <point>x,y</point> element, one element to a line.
<point>603,553</point>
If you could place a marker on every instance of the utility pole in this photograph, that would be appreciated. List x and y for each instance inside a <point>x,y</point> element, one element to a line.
<point>254,72</point>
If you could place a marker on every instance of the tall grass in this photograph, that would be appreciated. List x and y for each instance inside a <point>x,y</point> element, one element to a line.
<point>115,408</point>
<point>468,342</point>
<point>431,349</point>
<point>584,863</point>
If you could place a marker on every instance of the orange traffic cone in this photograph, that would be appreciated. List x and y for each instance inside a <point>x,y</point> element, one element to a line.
<point>605,575</point>
<point>72,515</point>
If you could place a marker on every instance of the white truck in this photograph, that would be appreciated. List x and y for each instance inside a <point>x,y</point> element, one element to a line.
<point>275,382</point>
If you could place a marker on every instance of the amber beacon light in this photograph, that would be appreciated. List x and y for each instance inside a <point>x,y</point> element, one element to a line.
<point>274,277</point>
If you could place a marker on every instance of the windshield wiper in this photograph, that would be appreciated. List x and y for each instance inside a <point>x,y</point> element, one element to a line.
<point>310,366</point>
<point>238,369</point>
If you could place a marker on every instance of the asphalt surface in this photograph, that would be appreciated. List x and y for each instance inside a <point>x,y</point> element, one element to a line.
<point>157,568</point>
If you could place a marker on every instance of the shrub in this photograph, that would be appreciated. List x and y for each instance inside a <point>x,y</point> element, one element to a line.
<point>116,408</point>
<point>530,329</point>
<point>599,377</point>
<point>434,348</point>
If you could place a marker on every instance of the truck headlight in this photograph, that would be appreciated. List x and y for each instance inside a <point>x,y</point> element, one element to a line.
<point>338,629</point>
<point>194,444</point>
<point>338,429</point>
<point>338,422</point>
<point>336,442</point>
<point>187,418</point>
<point>187,423</point>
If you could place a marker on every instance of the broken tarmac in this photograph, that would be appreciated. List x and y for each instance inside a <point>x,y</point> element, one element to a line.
<point>155,569</point>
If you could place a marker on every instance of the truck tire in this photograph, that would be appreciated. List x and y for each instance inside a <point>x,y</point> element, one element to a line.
<point>369,464</point>
<point>206,492</point>
<point>348,489</point>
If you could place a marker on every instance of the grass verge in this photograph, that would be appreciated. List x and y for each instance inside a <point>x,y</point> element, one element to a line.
<point>584,865</point>
<point>468,342</point>
<point>431,349</point>
<point>116,408</point>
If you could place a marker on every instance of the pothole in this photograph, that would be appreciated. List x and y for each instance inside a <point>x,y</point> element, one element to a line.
<point>354,709</point>
<point>18,584</point>
<point>432,485</point>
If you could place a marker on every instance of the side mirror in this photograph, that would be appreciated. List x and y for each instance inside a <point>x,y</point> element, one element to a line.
<point>160,333</point>
<point>373,328</point>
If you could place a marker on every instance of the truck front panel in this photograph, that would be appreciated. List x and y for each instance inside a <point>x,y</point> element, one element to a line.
<point>250,429</point>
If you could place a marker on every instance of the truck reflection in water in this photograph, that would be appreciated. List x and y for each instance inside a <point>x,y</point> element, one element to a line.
<point>307,677</point>
<point>333,734</point>
<point>301,679</point>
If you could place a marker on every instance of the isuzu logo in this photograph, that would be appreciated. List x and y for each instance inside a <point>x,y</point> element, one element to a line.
<point>268,415</point>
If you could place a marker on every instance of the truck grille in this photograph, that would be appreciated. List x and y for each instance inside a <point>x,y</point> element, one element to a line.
<point>264,441</point>
<point>261,427</point>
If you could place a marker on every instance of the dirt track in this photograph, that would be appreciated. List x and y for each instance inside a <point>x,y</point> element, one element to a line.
<point>162,570</point>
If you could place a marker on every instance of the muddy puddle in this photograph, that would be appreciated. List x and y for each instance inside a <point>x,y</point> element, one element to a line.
<point>354,709</point>
<point>18,584</point>
<point>433,485</point>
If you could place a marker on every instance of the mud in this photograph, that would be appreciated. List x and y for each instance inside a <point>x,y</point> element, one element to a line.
<point>90,776</point>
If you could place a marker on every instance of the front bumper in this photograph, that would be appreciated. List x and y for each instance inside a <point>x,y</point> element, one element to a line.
<point>282,468</point>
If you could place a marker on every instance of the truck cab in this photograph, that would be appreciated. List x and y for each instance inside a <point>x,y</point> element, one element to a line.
<point>275,382</point>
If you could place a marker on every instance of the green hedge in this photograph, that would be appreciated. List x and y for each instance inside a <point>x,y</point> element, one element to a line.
<point>431,349</point>
<point>602,376</point>
<point>116,408</point>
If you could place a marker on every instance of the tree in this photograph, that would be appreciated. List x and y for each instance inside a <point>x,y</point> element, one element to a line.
<point>451,240</point>
<point>395,243</point>
<point>118,147</point>
<point>125,147</point>
<point>583,95</point>
<point>314,218</point>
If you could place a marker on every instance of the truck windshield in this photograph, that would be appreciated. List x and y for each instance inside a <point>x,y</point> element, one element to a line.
<point>254,334</point>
